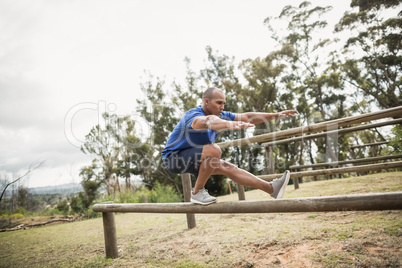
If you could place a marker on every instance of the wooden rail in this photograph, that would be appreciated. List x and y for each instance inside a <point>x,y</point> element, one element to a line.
<point>331,171</point>
<point>327,126</point>
<point>333,132</point>
<point>369,144</point>
<point>372,201</point>
<point>354,161</point>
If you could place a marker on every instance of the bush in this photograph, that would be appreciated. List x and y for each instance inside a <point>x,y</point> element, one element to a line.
<point>51,212</point>
<point>77,205</point>
<point>63,207</point>
<point>93,214</point>
<point>17,216</point>
<point>127,196</point>
<point>166,194</point>
<point>107,198</point>
<point>5,213</point>
<point>143,195</point>
<point>160,194</point>
<point>7,221</point>
<point>21,210</point>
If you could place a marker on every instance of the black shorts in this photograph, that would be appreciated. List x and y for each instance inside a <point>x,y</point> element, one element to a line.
<point>184,161</point>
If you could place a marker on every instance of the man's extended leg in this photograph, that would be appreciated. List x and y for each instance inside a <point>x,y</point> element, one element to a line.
<point>242,177</point>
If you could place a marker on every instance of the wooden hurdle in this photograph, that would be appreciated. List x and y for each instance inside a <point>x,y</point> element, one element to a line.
<point>364,202</point>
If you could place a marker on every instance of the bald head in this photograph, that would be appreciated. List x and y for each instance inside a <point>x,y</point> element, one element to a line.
<point>213,101</point>
<point>210,92</point>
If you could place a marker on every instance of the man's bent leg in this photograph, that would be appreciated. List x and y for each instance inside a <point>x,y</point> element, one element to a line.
<point>210,160</point>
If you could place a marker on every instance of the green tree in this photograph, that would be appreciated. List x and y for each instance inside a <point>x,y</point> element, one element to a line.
<point>309,73</point>
<point>310,79</point>
<point>63,207</point>
<point>100,144</point>
<point>22,199</point>
<point>262,93</point>
<point>77,205</point>
<point>374,62</point>
<point>396,140</point>
<point>160,110</point>
<point>130,150</point>
<point>90,192</point>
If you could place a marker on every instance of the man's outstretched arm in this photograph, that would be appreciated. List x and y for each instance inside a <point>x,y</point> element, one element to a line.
<point>257,118</point>
<point>215,123</point>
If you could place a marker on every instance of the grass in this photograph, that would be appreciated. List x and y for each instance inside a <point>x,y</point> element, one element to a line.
<point>334,239</point>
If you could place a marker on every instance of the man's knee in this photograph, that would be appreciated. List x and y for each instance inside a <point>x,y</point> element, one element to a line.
<point>211,151</point>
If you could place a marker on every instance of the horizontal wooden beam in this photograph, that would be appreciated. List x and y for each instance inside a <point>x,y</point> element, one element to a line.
<point>331,171</point>
<point>369,144</point>
<point>372,201</point>
<point>354,161</point>
<point>333,132</point>
<point>327,126</point>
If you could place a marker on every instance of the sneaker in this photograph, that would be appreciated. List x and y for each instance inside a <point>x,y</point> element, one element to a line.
<point>279,185</point>
<point>202,197</point>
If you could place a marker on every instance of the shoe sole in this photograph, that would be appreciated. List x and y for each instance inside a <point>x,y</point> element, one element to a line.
<point>202,203</point>
<point>282,190</point>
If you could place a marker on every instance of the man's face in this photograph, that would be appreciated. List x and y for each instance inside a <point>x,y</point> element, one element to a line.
<point>215,105</point>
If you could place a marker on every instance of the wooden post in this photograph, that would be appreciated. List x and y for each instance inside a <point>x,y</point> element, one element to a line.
<point>270,160</point>
<point>109,229</point>
<point>240,192</point>
<point>296,182</point>
<point>187,188</point>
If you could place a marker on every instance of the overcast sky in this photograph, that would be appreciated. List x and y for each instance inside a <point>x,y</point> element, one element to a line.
<point>63,62</point>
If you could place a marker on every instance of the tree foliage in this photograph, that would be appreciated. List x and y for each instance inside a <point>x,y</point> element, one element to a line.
<point>374,62</point>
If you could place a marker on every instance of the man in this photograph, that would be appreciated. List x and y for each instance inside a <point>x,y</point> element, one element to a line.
<point>191,148</point>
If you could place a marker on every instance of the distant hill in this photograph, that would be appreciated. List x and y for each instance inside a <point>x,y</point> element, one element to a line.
<point>64,189</point>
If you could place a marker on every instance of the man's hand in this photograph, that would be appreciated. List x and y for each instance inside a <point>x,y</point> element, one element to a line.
<point>234,125</point>
<point>287,113</point>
